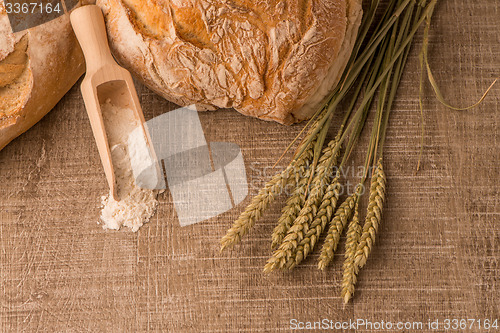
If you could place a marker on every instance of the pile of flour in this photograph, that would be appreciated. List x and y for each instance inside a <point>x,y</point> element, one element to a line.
<point>136,206</point>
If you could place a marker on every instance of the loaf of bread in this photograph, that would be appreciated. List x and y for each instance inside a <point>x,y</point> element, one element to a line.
<point>271,59</point>
<point>37,67</point>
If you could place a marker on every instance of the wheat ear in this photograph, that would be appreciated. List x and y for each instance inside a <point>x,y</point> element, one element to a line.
<point>322,218</point>
<point>292,208</point>
<point>266,195</point>
<point>306,215</point>
<point>349,277</point>
<point>373,216</point>
<point>337,225</point>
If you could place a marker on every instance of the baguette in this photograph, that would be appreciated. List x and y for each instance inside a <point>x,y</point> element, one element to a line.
<point>37,67</point>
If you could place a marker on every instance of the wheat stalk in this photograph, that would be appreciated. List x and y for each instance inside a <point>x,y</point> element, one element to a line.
<point>324,215</point>
<point>306,215</point>
<point>376,65</point>
<point>373,216</point>
<point>337,225</point>
<point>349,277</point>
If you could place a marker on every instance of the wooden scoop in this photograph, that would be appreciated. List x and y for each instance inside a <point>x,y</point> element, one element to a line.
<point>104,80</point>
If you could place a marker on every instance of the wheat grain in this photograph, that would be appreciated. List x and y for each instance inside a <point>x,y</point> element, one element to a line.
<point>293,204</point>
<point>306,215</point>
<point>337,225</point>
<point>322,218</point>
<point>290,175</point>
<point>373,216</point>
<point>289,213</point>
<point>253,212</point>
<point>349,276</point>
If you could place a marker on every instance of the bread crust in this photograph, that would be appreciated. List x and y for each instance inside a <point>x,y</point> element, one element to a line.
<point>6,35</point>
<point>54,62</point>
<point>275,60</point>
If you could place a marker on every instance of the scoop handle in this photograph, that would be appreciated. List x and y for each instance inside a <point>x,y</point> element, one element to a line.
<point>89,27</point>
<point>88,24</point>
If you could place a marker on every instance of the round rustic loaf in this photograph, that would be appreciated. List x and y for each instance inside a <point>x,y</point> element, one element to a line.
<point>271,59</point>
<point>37,67</point>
